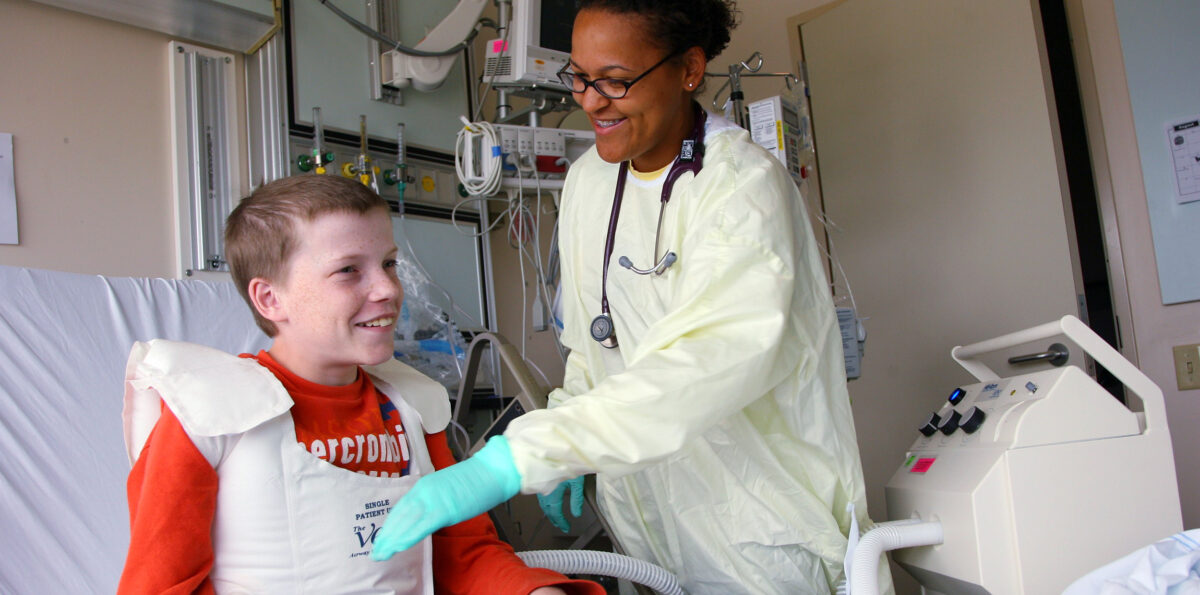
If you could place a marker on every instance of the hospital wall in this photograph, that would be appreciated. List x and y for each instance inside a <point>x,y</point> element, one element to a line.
<point>87,103</point>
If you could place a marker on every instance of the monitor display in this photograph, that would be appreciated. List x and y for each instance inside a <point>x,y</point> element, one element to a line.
<point>557,20</point>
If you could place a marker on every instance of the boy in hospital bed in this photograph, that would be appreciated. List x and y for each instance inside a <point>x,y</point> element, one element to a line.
<point>271,472</point>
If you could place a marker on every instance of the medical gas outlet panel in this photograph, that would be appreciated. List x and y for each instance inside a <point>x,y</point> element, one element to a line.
<point>425,183</point>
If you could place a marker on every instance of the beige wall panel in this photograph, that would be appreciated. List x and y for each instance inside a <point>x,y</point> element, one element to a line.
<point>87,103</point>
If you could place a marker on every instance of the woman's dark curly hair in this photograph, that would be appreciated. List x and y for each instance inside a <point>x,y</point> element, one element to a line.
<point>678,24</point>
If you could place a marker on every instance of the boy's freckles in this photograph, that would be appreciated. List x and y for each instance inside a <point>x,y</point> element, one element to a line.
<point>340,297</point>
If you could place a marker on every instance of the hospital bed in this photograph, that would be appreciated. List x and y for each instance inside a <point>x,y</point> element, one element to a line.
<point>64,340</point>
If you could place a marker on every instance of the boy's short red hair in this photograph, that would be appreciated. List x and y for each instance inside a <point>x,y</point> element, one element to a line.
<point>259,233</point>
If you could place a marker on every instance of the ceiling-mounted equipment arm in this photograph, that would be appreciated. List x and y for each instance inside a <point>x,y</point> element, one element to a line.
<point>396,45</point>
<point>426,73</point>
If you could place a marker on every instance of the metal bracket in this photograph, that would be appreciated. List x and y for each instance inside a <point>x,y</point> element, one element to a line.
<point>1056,355</point>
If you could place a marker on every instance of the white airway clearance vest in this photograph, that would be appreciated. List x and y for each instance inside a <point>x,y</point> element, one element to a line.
<point>286,521</point>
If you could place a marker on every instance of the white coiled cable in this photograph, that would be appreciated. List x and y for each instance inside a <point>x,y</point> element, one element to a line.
<point>490,148</point>
<point>604,564</point>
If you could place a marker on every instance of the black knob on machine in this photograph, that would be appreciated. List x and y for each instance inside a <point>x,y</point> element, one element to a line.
<point>950,424</point>
<point>931,424</point>
<point>972,420</point>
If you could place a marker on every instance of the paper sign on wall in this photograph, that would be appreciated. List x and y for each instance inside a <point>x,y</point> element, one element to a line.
<point>1184,139</point>
<point>8,192</point>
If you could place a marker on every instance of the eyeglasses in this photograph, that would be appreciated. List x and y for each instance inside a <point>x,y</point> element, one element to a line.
<point>608,87</point>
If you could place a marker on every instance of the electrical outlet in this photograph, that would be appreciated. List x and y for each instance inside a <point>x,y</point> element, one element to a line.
<point>1187,366</point>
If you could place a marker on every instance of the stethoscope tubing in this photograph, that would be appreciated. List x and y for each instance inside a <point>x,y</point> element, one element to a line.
<point>690,159</point>
<point>662,264</point>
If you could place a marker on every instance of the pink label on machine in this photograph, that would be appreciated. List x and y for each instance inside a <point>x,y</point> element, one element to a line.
<point>922,465</point>
<point>499,46</point>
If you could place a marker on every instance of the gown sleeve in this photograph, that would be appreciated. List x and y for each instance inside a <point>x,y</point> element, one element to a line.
<point>576,380</point>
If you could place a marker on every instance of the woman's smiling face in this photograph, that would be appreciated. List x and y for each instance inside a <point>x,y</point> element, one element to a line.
<point>649,123</point>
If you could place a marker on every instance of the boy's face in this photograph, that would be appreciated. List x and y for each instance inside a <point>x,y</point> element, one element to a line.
<point>339,303</point>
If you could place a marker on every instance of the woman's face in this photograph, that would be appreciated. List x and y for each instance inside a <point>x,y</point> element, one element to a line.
<point>649,123</point>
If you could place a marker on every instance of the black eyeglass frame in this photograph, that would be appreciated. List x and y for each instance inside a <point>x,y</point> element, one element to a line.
<point>569,78</point>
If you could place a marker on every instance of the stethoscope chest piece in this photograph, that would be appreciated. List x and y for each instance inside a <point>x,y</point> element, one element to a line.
<point>603,331</point>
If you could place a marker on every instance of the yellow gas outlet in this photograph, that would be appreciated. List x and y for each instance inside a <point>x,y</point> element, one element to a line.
<point>1187,366</point>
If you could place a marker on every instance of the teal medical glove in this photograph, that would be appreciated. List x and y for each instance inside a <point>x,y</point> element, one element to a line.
<point>552,503</point>
<point>449,496</point>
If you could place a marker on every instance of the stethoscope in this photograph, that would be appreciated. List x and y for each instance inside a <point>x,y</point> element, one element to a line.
<point>691,159</point>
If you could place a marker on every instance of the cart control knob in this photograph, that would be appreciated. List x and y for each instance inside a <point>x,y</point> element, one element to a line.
<point>973,419</point>
<point>950,424</point>
<point>956,396</point>
<point>930,426</point>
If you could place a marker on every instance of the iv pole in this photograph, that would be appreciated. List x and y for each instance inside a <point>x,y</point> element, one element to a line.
<point>747,68</point>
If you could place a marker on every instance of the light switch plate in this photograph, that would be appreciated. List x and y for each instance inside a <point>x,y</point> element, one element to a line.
<point>1187,366</point>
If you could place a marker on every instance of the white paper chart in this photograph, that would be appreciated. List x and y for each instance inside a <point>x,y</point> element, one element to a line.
<point>1184,139</point>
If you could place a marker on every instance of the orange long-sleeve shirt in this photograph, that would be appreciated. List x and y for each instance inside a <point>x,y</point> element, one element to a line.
<point>172,493</point>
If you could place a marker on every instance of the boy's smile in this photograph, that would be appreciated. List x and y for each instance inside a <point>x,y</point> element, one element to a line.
<point>337,307</point>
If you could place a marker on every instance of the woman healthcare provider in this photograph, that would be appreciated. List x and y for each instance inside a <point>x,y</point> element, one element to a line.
<point>705,385</point>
